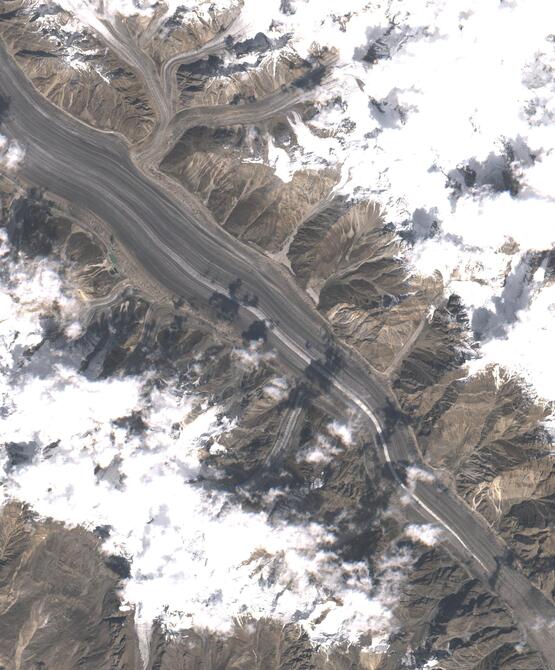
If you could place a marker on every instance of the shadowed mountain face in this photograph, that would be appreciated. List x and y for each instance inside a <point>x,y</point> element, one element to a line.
<point>129,333</point>
<point>214,115</point>
<point>60,604</point>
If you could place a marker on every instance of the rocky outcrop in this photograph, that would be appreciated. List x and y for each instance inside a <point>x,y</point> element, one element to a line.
<point>223,167</point>
<point>77,71</point>
<point>210,81</point>
<point>452,620</point>
<point>483,435</point>
<point>58,599</point>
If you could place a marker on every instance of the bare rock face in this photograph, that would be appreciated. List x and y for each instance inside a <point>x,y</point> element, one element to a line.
<point>101,90</point>
<point>527,491</point>
<point>37,228</point>
<point>209,81</point>
<point>58,599</point>
<point>350,262</point>
<point>58,593</point>
<point>245,197</point>
<point>384,334</point>
<point>452,617</point>
<point>435,356</point>
<point>254,644</point>
<point>337,246</point>
<point>487,432</point>
<point>342,253</point>
<point>60,609</point>
<point>187,31</point>
<point>444,618</point>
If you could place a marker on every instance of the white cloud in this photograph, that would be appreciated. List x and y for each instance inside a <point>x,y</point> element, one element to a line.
<point>280,160</point>
<point>526,347</point>
<point>341,431</point>
<point>253,355</point>
<point>426,533</point>
<point>277,389</point>
<point>26,291</point>
<point>198,558</point>
<point>453,89</point>
<point>445,90</point>
<point>90,12</point>
<point>415,474</point>
<point>74,330</point>
<point>319,453</point>
<point>11,153</point>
